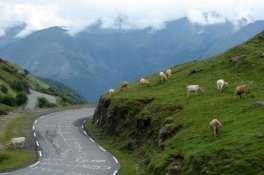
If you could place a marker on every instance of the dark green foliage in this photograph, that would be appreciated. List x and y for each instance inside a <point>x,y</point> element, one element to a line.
<point>58,89</point>
<point>17,85</point>
<point>44,103</point>
<point>26,72</point>
<point>9,100</point>
<point>3,88</point>
<point>21,99</point>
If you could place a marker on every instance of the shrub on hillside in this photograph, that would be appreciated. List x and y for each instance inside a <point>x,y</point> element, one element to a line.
<point>9,100</point>
<point>43,102</point>
<point>21,98</point>
<point>3,88</point>
<point>3,110</point>
<point>20,86</point>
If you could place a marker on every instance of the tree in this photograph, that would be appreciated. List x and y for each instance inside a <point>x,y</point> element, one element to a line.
<point>4,88</point>
<point>26,72</point>
<point>21,98</point>
<point>9,100</point>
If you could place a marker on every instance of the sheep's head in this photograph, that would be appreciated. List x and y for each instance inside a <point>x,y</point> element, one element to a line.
<point>226,84</point>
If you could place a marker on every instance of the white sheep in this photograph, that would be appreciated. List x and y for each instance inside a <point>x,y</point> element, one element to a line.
<point>215,127</point>
<point>163,76</point>
<point>111,92</point>
<point>15,141</point>
<point>193,88</point>
<point>221,84</point>
<point>168,73</point>
<point>144,82</point>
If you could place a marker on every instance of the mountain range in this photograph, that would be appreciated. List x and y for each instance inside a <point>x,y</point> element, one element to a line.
<point>97,59</point>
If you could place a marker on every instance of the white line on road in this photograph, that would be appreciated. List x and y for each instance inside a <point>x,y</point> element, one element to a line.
<point>101,148</point>
<point>91,139</point>
<point>34,164</point>
<point>36,121</point>
<point>115,172</point>
<point>40,154</point>
<point>115,159</point>
<point>33,127</point>
<point>84,121</point>
<point>34,134</point>
<point>84,132</point>
<point>82,126</point>
<point>37,143</point>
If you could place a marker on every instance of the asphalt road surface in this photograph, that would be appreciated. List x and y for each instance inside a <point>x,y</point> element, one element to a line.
<point>33,96</point>
<point>64,148</point>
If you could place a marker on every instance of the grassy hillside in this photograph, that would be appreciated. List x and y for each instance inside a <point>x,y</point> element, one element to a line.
<point>169,134</point>
<point>16,82</point>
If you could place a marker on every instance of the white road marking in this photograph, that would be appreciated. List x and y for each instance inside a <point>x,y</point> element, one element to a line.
<point>115,159</point>
<point>101,148</point>
<point>115,172</point>
<point>82,126</point>
<point>34,134</point>
<point>84,132</point>
<point>40,154</point>
<point>91,139</point>
<point>33,127</point>
<point>84,121</point>
<point>37,143</point>
<point>36,121</point>
<point>34,164</point>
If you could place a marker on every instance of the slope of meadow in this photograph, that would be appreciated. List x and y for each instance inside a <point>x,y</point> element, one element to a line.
<point>169,134</point>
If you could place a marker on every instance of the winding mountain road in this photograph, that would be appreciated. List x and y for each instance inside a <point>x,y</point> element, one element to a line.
<point>33,96</point>
<point>64,148</point>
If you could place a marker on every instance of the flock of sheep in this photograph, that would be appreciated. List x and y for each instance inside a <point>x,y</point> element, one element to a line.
<point>221,84</point>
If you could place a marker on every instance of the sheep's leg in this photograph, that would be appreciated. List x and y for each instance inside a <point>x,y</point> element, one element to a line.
<point>214,128</point>
<point>22,145</point>
<point>217,131</point>
<point>14,145</point>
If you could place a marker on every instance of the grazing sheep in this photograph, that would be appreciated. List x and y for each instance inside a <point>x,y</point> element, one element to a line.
<point>193,88</point>
<point>144,82</point>
<point>15,141</point>
<point>111,92</point>
<point>168,73</point>
<point>215,127</point>
<point>221,84</point>
<point>242,89</point>
<point>163,76</point>
<point>237,58</point>
<point>123,85</point>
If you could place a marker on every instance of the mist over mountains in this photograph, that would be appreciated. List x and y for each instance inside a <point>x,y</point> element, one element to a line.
<point>97,59</point>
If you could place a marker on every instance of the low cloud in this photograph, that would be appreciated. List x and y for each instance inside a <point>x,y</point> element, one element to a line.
<point>126,14</point>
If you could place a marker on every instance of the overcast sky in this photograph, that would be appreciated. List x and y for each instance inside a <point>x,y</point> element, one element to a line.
<point>78,14</point>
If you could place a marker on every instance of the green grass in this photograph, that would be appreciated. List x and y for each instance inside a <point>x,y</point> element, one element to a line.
<point>126,161</point>
<point>191,149</point>
<point>16,158</point>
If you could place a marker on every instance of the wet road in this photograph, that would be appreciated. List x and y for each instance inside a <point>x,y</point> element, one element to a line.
<point>64,148</point>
